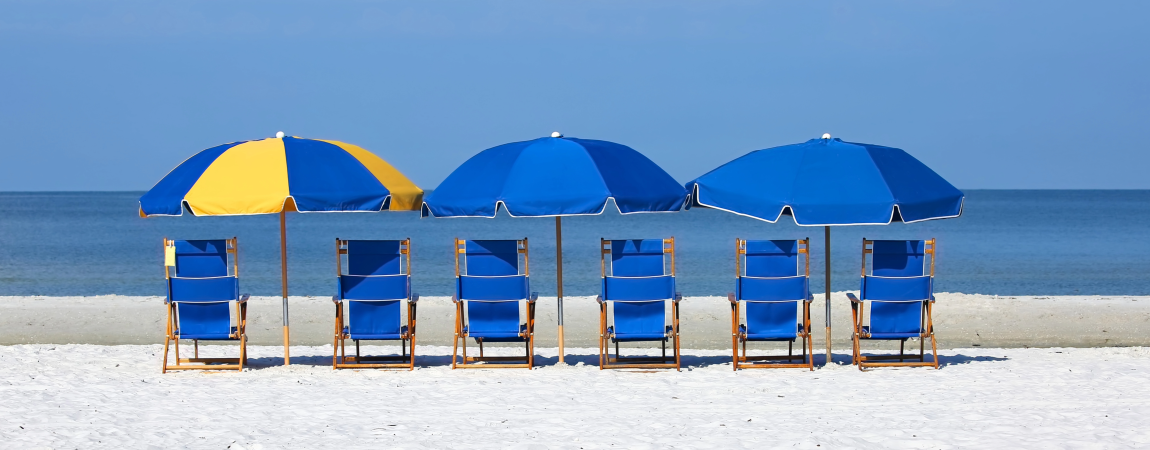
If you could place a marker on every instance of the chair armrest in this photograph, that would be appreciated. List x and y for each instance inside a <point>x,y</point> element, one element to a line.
<point>414,298</point>
<point>731,297</point>
<point>599,298</point>
<point>810,298</point>
<point>335,299</point>
<point>534,297</point>
<point>454,299</point>
<point>853,298</point>
<point>678,298</point>
<point>243,298</point>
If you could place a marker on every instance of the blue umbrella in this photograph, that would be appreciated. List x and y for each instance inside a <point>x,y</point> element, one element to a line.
<point>825,182</point>
<point>553,177</point>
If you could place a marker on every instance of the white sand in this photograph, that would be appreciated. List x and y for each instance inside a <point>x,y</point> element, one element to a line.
<point>85,396</point>
<point>962,320</point>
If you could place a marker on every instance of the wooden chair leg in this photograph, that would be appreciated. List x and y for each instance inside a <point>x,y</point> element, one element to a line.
<point>243,351</point>
<point>167,339</point>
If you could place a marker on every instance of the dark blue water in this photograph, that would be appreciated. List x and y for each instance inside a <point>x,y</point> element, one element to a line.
<point>1006,242</point>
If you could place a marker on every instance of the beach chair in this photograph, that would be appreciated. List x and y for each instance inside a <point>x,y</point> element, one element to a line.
<point>201,294</point>
<point>490,280</point>
<point>638,281</point>
<point>900,292</point>
<point>372,295</point>
<point>772,280</point>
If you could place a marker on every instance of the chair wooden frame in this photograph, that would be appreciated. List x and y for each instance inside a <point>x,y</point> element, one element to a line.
<point>492,362</point>
<point>241,318</point>
<point>606,361</point>
<point>770,362</point>
<point>857,315</point>
<point>406,358</point>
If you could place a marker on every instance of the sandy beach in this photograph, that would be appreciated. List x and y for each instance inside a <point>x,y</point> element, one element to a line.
<point>962,320</point>
<point>59,396</point>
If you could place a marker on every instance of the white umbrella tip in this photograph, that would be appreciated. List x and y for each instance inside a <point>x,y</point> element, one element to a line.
<point>556,134</point>
<point>826,135</point>
<point>280,134</point>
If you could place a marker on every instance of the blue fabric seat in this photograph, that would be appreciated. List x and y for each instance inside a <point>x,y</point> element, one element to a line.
<point>375,289</point>
<point>492,278</point>
<point>638,282</point>
<point>900,292</point>
<point>200,299</point>
<point>772,289</point>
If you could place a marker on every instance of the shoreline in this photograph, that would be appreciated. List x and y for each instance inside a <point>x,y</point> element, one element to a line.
<point>961,321</point>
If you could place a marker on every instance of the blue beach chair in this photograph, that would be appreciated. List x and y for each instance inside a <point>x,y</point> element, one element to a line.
<point>638,281</point>
<point>900,291</point>
<point>201,290</point>
<point>375,288</point>
<point>489,284</point>
<point>774,284</point>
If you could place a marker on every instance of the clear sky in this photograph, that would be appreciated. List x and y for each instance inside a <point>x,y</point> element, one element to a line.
<point>111,95</point>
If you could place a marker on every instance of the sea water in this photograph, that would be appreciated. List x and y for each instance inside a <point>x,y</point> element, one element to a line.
<point>1005,242</point>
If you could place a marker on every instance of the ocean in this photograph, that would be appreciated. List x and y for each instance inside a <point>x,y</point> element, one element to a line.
<point>1082,242</point>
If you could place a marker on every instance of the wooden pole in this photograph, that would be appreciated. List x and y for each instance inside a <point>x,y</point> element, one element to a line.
<point>827,295</point>
<point>284,281</point>
<point>559,278</point>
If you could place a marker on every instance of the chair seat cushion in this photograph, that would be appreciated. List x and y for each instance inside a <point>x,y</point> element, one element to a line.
<point>376,337</point>
<point>208,336</point>
<point>770,336</point>
<point>866,331</point>
<point>498,336</point>
<point>637,337</point>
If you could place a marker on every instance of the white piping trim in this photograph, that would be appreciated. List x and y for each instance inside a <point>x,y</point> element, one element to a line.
<point>184,205</point>
<point>896,208</point>
<point>603,209</point>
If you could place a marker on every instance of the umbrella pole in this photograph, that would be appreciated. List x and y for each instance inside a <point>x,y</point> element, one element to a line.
<point>284,281</point>
<point>559,278</point>
<point>827,295</point>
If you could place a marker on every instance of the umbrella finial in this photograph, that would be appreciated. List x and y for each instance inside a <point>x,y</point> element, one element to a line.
<point>556,134</point>
<point>826,135</point>
<point>279,134</point>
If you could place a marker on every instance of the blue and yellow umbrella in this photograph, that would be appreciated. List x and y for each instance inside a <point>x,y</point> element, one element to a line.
<point>278,175</point>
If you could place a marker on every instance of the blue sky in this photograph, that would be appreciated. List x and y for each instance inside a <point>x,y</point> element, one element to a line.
<point>111,95</point>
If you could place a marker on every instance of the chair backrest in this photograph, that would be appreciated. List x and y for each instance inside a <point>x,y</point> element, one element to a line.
<point>492,279</point>
<point>376,270</point>
<point>772,270</point>
<point>638,279</point>
<point>899,283</point>
<point>378,279</point>
<point>775,258</point>
<point>377,257</point>
<point>772,280</point>
<point>898,258</point>
<point>200,258</point>
<point>640,257</point>
<point>199,271</point>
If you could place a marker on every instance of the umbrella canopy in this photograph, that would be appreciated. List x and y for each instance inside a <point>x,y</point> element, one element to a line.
<point>825,182</point>
<point>271,175</point>
<point>828,182</point>
<point>278,175</point>
<point>554,177</point>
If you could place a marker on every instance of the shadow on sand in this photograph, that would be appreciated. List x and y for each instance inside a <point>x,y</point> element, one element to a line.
<point>688,361</point>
